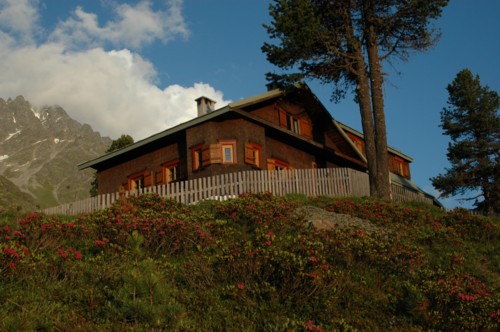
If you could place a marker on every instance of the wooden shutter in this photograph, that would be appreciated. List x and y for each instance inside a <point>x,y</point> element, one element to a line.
<point>159,175</point>
<point>283,118</point>
<point>211,154</point>
<point>148,179</point>
<point>406,170</point>
<point>306,128</point>
<point>271,165</point>
<point>249,156</point>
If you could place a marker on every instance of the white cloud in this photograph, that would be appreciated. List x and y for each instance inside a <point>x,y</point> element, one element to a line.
<point>19,18</point>
<point>112,90</point>
<point>134,26</point>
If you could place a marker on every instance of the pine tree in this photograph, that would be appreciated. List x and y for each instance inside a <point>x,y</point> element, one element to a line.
<point>472,121</point>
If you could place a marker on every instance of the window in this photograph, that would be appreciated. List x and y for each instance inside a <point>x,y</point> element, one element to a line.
<point>277,165</point>
<point>253,154</point>
<point>399,166</point>
<point>140,180</point>
<point>206,155</point>
<point>297,124</point>
<point>228,151</point>
<point>171,171</point>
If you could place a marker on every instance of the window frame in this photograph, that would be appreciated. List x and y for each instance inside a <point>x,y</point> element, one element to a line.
<point>137,181</point>
<point>231,145</point>
<point>277,165</point>
<point>167,171</point>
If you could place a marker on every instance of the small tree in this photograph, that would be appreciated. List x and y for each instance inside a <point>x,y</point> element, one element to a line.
<point>117,144</point>
<point>472,121</point>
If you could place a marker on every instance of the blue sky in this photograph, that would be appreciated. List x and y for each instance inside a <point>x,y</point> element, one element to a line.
<point>136,67</point>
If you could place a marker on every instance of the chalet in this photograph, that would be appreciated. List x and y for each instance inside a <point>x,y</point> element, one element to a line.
<point>274,130</point>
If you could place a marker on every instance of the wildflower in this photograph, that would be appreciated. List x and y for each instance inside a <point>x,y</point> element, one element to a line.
<point>313,260</point>
<point>310,326</point>
<point>78,255</point>
<point>240,286</point>
<point>62,253</point>
<point>268,242</point>
<point>12,265</point>
<point>99,243</point>
<point>11,252</point>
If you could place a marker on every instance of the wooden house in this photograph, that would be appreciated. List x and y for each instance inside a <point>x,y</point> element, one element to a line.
<point>271,131</point>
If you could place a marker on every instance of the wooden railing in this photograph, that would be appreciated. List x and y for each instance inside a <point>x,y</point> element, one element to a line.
<point>310,182</point>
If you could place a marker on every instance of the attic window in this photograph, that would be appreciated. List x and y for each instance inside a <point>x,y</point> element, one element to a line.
<point>299,125</point>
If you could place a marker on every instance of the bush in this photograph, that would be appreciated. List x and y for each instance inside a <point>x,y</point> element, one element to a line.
<point>249,263</point>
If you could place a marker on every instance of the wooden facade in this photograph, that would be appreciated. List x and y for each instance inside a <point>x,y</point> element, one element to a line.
<point>271,131</point>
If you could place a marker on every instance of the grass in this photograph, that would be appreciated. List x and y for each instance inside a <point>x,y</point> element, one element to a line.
<point>249,264</point>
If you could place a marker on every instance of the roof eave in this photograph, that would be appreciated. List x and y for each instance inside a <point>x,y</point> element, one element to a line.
<point>150,139</point>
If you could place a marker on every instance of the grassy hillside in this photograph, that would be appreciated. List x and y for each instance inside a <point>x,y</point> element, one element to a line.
<point>252,263</point>
<point>13,200</point>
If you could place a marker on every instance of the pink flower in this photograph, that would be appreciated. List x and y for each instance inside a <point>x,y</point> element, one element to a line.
<point>62,253</point>
<point>313,260</point>
<point>268,242</point>
<point>241,286</point>
<point>11,252</point>
<point>310,326</point>
<point>78,255</point>
<point>100,243</point>
<point>12,265</point>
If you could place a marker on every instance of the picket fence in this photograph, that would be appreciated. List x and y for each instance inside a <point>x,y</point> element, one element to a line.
<point>310,182</point>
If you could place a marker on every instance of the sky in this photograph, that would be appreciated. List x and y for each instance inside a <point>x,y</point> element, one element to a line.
<point>136,67</point>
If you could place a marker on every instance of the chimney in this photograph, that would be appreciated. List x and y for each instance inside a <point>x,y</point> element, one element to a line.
<point>205,105</point>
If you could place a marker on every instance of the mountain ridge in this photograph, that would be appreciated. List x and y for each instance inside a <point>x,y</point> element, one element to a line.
<point>40,149</point>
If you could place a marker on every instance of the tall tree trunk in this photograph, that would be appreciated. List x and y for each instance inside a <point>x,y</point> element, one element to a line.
<point>376,83</point>
<point>365,109</point>
<point>363,97</point>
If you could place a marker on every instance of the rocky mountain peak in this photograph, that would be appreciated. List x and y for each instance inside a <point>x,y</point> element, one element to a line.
<point>40,149</point>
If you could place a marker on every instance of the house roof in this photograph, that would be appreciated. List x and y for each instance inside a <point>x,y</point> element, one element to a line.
<point>360,135</point>
<point>233,108</point>
<point>155,137</point>
<point>408,184</point>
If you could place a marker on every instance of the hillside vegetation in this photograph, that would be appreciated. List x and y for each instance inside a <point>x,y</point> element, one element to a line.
<point>13,200</point>
<point>253,263</point>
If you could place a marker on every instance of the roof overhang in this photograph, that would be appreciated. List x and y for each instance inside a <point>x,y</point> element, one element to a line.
<point>151,139</point>
<point>392,150</point>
